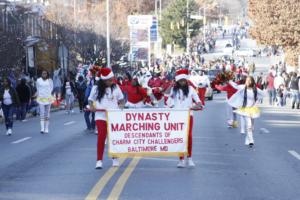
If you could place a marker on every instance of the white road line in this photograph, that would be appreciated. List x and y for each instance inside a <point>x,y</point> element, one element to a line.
<point>282,121</point>
<point>295,154</point>
<point>69,123</point>
<point>21,140</point>
<point>264,130</point>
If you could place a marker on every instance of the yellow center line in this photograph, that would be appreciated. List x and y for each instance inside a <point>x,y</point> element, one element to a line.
<point>96,191</point>
<point>118,188</point>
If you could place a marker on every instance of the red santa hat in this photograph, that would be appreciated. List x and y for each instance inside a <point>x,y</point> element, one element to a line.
<point>182,74</point>
<point>105,73</point>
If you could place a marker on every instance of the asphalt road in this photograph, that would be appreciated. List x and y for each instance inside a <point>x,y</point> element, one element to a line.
<point>60,165</point>
<point>262,63</point>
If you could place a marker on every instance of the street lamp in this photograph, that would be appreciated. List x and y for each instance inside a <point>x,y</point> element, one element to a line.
<point>204,21</point>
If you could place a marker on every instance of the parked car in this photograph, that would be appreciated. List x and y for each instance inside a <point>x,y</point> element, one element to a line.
<point>228,49</point>
<point>243,52</point>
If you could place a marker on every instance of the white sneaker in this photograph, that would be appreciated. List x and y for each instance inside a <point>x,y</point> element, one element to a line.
<point>9,132</point>
<point>230,122</point>
<point>181,164</point>
<point>191,162</point>
<point>115,162</point>
<point>99,164</point>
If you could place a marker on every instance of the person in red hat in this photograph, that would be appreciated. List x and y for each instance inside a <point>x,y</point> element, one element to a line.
<point>104,95</point>
<point>183,95</point>
<point>136,94</point>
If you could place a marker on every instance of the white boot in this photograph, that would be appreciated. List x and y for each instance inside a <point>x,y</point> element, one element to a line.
<point>247,140</point>
<point>42,126</point>
<point>243,125</point>
<point>250,137</point>
<point>243,132</point>
<point>46,126</point>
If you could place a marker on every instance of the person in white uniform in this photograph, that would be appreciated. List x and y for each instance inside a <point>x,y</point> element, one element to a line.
<point>245,100</point>
<point>44,87</point>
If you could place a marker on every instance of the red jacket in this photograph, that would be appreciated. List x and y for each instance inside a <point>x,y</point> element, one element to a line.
<point>192,84</point>
<point>227,88</point>
<point>157,84</point>
<point>270,80</point>
<point>135,94</point>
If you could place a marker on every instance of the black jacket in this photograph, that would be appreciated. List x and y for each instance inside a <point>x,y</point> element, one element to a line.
<point>14,95</point>
<point>295,83</point>
<point>24,93</point>
<point>81,87</point>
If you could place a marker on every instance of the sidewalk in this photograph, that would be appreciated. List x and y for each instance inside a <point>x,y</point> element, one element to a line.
<point>53,109</point>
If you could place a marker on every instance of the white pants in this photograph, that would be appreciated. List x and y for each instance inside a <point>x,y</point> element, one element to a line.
<point>45,112</point>
<point>69,101</point>
<point>231,115</point>
<point>229,112</point>
<point>247,123</point>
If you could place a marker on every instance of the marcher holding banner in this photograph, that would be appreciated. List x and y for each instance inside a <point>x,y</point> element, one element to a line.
<point>104,95</point>
<point>183,95</point>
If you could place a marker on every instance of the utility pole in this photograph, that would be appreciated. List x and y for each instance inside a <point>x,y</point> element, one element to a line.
<point>107,35</point>
<point>160,9</point>
<point>75,24</point>
<point>156,14</point>
<point>187,28</point>
<point>204,23</point>
<point>156,8</point>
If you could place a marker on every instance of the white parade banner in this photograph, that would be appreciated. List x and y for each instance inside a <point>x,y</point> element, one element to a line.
<point>147,132</point>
